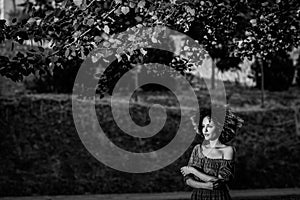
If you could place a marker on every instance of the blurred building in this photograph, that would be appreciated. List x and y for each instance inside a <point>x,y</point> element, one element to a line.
<point>235,76</point>
<point>8,6</point>
<point>7,86</point>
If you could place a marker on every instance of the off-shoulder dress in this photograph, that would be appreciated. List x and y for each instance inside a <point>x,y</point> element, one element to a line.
<point>213,167</point>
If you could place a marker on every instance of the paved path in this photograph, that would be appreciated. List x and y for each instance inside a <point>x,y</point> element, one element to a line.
<point>258,194</point>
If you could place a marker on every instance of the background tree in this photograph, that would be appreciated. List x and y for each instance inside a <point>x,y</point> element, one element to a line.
<point>65,29</point>
<point>274,29</point>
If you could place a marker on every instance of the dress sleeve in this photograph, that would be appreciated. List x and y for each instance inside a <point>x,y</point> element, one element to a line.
<point>191,162</point>
<point>193,156</point>
<point>226,171</point>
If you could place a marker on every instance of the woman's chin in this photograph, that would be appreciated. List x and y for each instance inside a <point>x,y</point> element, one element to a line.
<point>207,138</point>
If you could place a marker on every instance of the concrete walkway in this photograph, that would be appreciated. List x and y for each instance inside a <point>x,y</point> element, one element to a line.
<point>258,194</point>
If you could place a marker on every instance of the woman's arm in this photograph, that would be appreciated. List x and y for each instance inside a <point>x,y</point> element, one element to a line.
<point>196,184</point>
<point>226,171</point>
<point>191,170</point>
<point>204,177</point>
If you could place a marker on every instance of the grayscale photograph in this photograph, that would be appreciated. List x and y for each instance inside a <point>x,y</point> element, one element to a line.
<point>149,100</point>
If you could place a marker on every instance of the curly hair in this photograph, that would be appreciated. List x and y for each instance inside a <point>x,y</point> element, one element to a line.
<point>229,125</point>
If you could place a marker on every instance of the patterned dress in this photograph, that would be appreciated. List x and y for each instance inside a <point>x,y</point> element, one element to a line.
<point>213,167</point>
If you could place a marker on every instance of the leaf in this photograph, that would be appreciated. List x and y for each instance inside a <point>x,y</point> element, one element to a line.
<point>96,57</point>
<point>106,44</point>
<point>125,10</point>
<point>118,41</point>
<point>131,37</point>
<point>118,1</point>
<point>253,22</point>
<point>67,53</point>
<point>48,12</point>
<point>118,57</point>
<point>154,17</point>
<point>76,34</point>
<point>118,11</point>
<point>153,39</point>
<point>190,10</point>
<point>143,51</point>
<point>114,44</point>
<point>120,50</point>
<point>97,38</point>
<point>82,55</point>
<point>131,5</point>
<point>138,18</point>
<point>64,4</point>
<point>141,4</point>
<point>106,29</point>
<point>90,22</point>
<point>185,48</point>
<point>139,25</point>
<point>77,2</point>
<point>107,53</point>
<point>38,22</point>
<point>104,36</point>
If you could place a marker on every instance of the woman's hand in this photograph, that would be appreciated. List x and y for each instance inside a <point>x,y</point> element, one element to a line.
<point>212,185</point>
<point>186,170</point>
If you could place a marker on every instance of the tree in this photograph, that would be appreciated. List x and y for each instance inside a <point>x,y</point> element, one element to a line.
<point>278,72</point>
<point>274,28</point>
<point>69,29</point>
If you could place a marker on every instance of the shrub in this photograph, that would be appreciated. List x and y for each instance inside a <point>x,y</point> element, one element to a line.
<point>41,152</point>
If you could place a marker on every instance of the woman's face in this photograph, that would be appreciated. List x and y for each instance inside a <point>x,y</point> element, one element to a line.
<point>209,129</point>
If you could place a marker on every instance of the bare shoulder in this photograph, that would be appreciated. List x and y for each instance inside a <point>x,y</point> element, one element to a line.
<point>228,152</point>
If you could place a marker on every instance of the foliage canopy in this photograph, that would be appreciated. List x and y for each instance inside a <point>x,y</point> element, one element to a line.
<point>64,30</point>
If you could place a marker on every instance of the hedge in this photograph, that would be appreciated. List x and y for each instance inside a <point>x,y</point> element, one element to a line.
<point>42,154</point>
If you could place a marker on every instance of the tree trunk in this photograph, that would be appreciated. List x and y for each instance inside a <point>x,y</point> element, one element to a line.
<point>261,64</point>
<point>295,77</point>
<point>136,82</point>
<point>213,66</point>
<point>14,5</point>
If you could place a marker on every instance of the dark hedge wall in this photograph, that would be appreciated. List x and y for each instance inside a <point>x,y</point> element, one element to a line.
<point>41,153</point>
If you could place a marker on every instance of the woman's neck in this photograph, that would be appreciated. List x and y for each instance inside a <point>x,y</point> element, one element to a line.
<point>214,143</point>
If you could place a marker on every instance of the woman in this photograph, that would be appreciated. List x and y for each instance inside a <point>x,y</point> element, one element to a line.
<point>211,165</point>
